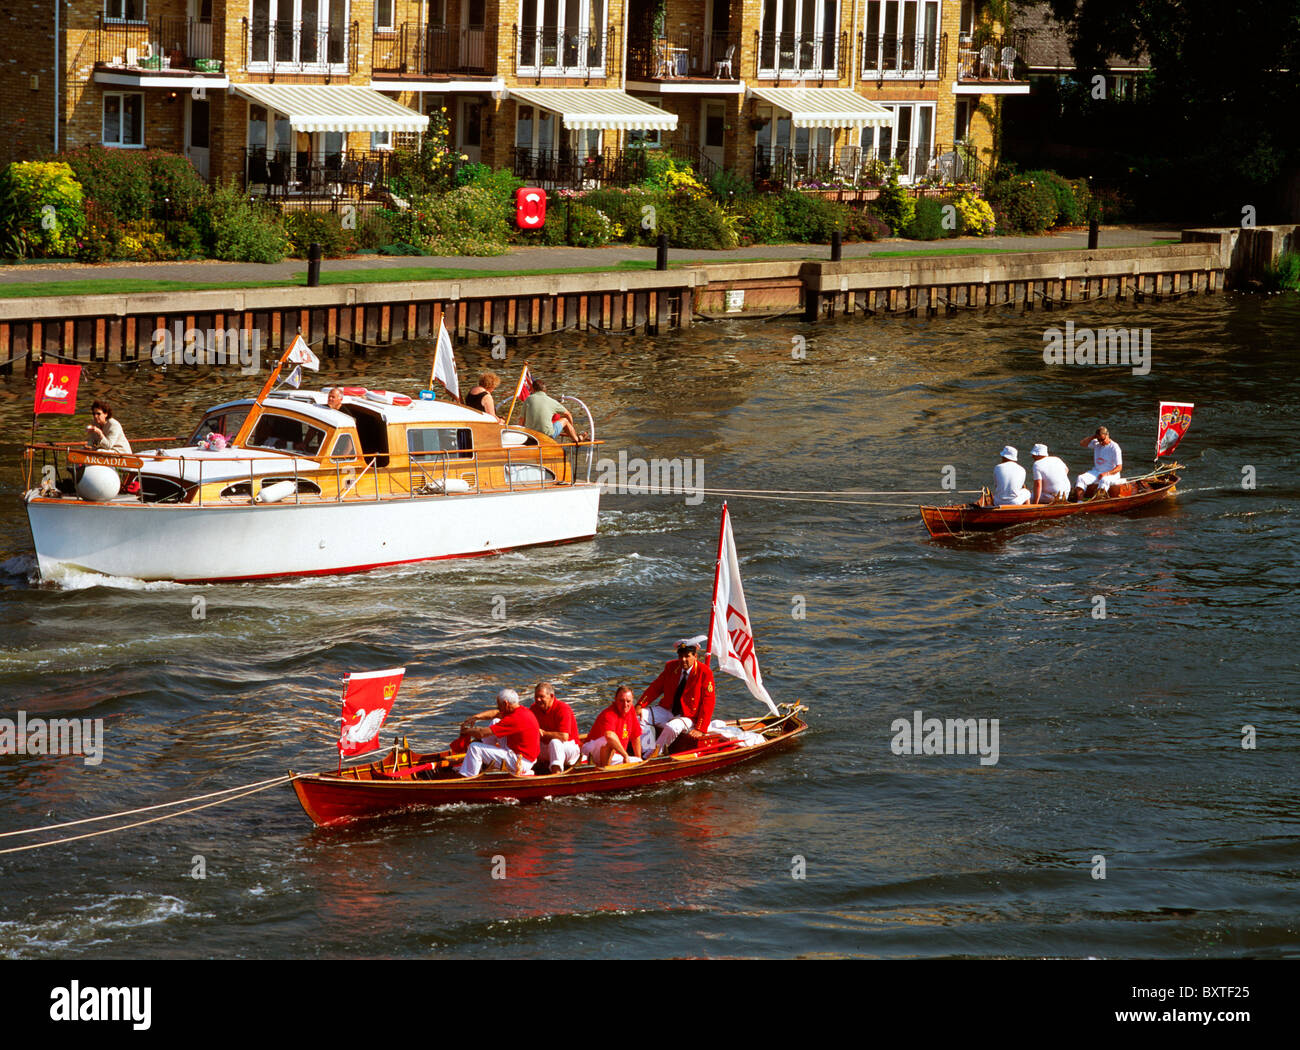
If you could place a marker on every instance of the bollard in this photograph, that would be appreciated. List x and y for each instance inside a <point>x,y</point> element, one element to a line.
<point>837,246</point>
<point>1094,232</point>
<point>313,264</point>
<point>661,253</point>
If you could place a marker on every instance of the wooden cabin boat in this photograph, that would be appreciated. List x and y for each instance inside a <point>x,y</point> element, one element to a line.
<point>384,480</point>
<point>961,519</point>
<point>405,780</point>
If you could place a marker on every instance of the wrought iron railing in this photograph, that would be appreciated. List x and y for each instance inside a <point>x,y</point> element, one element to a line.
<point>290,46</point>
<point>685,53</point>
<point>159,43</point>
<point>286,174</point>
<point>912,57</point>
<point>566,169</point>
<point>412,49</point>
<point>857,167</point>
<point>989,59</point>
<point>550,51</point>
<point>799,56</point>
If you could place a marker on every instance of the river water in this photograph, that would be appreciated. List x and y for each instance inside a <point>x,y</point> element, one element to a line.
<point>1120,738</point>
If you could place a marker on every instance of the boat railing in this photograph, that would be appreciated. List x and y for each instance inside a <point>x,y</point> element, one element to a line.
<point>591,436</point>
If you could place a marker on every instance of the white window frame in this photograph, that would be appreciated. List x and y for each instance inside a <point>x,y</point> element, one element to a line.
<point>382,25</point>
<point>321,64</point>
<point>121,96</point>
<point>776,69</point>
<point>924,60</point>
<point>121,18</point>
<point>560,17</point>
<point>381,140</point>
<point>870,136</point>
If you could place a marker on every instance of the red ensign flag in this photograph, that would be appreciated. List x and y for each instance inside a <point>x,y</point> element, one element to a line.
<point>56,389</point>
<point>367,700</point>
<point>1175,418</point>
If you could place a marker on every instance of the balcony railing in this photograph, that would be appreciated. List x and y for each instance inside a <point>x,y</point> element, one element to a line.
<point>286,174</point>
<point>856,167</point>
<point>799,56</point>
<point>681,53</point>
<point>418,50</point>
<point>547,51</point>
<point>159,43</point>
<point>902,57</point>
<point>567,169</point>
<point>285,46</point>
<point>992,59</point>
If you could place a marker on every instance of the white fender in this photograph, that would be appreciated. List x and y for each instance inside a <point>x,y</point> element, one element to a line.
<point>277,492</point>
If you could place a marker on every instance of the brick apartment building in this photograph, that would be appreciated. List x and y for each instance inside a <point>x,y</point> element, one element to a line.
<point>299,96</point>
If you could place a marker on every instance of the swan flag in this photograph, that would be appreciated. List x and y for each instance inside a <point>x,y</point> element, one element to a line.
<point>56,389</point>
<point>731,635</point>
<point>367,699</point>
<point>1175,418</point>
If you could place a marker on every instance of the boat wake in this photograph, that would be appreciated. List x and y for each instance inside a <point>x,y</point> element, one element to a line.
<point>69,579</point>
<point>85,927</point>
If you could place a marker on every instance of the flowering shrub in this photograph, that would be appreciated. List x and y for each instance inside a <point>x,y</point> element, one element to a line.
<point>665,172</point>
<point>895,206</point>
<point>41,209</point>
<point>974,215</point>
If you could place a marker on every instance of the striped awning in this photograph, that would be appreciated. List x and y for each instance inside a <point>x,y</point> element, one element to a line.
<point>598,109</point>
<point>333,107</point>
<point>826,107</point>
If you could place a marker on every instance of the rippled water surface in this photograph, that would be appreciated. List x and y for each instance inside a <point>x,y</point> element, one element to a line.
<point>1119,737</point>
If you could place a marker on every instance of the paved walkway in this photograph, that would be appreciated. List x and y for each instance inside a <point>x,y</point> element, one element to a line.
<point>531,258</point>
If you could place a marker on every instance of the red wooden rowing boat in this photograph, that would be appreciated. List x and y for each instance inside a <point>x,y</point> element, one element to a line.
<point>404,780</point>
<point>960,519</point>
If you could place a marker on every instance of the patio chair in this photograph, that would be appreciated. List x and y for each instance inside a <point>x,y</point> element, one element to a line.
<point>663,59</point>
<point>723,65</point>
<point>988,60</point>
<point>1009,61</point>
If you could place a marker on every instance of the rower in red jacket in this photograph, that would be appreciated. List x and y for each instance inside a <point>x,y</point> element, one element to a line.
<point>615,736</point>
<point>686,688</point>
<point>560,736</point>
<point>518,739</point>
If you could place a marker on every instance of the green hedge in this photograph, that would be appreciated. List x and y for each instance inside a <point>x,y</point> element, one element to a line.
<point>42,210</point>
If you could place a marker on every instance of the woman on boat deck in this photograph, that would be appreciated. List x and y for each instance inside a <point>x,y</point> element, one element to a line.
<point>481,396</point>
<point>106,434</point>
<point>615,733</point>
<point>686,686</point>
<point>519,736</point>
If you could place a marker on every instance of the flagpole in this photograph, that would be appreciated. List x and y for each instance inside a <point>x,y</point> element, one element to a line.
<point>518,387</point>
<point>717,576</point>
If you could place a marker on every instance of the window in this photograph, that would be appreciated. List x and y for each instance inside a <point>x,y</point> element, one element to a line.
<point>967,20</point>
<point>534,129</point>
<point>344,448</point>
<point>562,37</point>
<point>282,434</point>
<point>124,10</point>
<point>384,14</point>
<point>909,143</point>
<point>381,140</point>
<point>123,120</point>
<point>902,38</point>
<point>799,36</point>
<point>225,421</point>
<point>300,34</point>
<point>424,443</point>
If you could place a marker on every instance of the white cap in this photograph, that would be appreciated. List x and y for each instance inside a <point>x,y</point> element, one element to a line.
<point>697,641</point>
<point>509,696</point>
<point>1038,450</point>
<point>1009,453</point>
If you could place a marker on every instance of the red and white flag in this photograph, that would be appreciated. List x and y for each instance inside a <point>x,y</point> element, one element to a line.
<point>1175,418</point>
<point>56,389</point>
<point>300,354</point>
<point>525,390</point>
<point>367,699</point>
<point>731,635</point>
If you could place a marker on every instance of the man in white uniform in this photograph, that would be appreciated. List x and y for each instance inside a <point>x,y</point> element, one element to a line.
<point>1051,476</point>
<point>1107,460</point>
<point>1009,481</point>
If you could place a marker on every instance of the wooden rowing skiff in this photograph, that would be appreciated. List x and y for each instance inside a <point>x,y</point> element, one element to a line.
<point>404,780</point>
<point>960,519</point>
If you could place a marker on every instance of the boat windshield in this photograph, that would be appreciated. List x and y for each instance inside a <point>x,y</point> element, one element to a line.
<point>282,433</point>
<point>223,421</point>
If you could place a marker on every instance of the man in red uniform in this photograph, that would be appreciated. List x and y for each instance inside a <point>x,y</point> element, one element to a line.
<point>615,736</point>
<point>686,688</point>
<point>559,728</point>
<point>517,732</point>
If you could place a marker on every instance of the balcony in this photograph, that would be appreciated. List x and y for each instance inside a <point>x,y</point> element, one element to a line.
<point>799,56</point>
<point>414,50</point>
<point>179,49</point>
<point>285,176</point>
<point>568,169</point>
<point>903,57</point>
<point>286,46</point>
<point>992,65</point>
<point>547,51</point>
<point>685,54</point>
<point>852,167</point>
